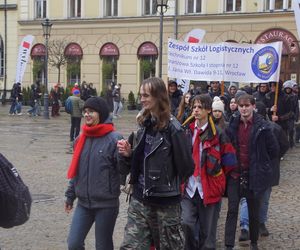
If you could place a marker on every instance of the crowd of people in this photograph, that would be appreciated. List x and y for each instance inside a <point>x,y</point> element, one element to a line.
<point>56,97</point>
<point>189,152</point>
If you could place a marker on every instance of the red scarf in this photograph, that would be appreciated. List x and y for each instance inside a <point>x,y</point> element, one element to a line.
<point>93,131</point>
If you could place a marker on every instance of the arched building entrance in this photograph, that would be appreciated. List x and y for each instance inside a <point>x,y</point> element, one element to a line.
<point>290,52</point>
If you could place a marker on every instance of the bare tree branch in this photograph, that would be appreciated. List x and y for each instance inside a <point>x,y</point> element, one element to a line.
<point>56,56</point>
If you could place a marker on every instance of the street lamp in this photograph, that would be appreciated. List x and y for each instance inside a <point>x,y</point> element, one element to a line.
<point>46,33</point>
<point>161,7</point>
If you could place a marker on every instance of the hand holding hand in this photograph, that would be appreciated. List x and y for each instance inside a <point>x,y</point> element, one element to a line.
<point>124,148</point>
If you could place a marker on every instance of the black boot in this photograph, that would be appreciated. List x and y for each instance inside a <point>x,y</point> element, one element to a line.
<point>263,231</point>
<point>253,246</point>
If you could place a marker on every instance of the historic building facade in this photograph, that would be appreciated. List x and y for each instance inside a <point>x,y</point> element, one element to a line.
<point>107,41</point>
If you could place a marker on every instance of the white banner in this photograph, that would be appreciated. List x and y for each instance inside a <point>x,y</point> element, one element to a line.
<point>24,51</point>
<point>194,36</point>
<point>224,61</point>
<point>296,8</point>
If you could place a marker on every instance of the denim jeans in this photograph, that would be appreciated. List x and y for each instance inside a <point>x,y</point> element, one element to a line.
<point>12,109</point>
<point>244,218</point>
<point>33,110</point>
<point>18,107</point>
<point>118,107</point>
<point>263,211</point>
<point>84,218</point>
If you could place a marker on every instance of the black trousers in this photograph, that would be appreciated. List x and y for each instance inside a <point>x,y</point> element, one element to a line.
<point>234,195</point>
<point>199,222</point>
<point>75,127</point>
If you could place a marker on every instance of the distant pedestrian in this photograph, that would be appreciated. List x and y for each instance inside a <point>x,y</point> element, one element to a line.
<point>184,109</point>
<point>175,96</point>
<point>160,162</point>
<point>233,109</point>
<point>16,100</point>
<point>118,106</point>
<point>92,90</point>
<point>35,99</point>
<point>76,114</point>
<point>95,178</point>
<point>75,87</point>
<point>85,92</point>
<point>55,96</point>
<point>109,97</point>
<point>218,110</point>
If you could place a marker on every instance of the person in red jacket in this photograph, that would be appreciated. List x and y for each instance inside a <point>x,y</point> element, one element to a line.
<point>214,157</point>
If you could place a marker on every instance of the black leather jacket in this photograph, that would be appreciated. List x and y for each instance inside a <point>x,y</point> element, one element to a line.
<point>168,164</point>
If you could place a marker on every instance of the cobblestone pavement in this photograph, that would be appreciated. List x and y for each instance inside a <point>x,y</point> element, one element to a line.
<point>39,149</point>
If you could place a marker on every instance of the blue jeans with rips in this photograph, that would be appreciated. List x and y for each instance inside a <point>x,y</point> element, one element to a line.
<point>84,218</point>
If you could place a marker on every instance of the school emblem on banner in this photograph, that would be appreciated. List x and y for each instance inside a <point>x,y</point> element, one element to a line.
<point>265,62</point>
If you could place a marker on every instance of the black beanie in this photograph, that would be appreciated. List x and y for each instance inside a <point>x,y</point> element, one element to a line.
<point>99,105</point>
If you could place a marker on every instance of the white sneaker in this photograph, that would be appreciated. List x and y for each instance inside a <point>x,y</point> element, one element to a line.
<point>115,117</point>
<point>19,113</point>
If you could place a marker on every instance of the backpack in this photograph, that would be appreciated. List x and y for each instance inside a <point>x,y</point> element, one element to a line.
<point>15,198</point>
<point>68,105</point>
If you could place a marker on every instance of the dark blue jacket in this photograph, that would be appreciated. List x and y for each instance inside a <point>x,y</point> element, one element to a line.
<point>263,147</point>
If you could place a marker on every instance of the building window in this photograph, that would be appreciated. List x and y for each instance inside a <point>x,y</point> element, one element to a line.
<point>147,54</point>
<point>147,65</point>
<point>74,8</point>
<point>149,7</point>
<point>73,53</point>
<point>193,6</point>
<point>38,53</point>
<point>233,5</point>
<point>111,7</point>
<point>40,8</point>
<point>1,58</point>
<point>271,5</point>
<point>109,54</point>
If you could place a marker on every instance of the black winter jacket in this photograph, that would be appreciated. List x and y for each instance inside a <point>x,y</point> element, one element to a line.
<point>263,147</point>
<point>168,164</point>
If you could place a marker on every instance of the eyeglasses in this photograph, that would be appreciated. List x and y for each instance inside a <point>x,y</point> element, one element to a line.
<point>88,112</point>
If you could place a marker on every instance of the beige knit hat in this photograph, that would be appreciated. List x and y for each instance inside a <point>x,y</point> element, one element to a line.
<point>218,104</point>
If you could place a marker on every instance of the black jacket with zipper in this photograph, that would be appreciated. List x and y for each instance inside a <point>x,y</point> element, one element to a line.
<point>168,163</point>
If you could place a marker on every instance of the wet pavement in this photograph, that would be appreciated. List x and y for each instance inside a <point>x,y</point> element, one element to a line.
<point>39,149</point>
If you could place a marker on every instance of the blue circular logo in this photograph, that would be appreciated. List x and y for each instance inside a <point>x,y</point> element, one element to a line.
<point>265,62</point>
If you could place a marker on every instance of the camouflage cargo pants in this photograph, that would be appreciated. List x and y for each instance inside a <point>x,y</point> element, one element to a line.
<point>146,223</point>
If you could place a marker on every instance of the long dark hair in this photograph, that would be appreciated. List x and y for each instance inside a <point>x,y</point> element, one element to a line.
<point>161,112</point>
<point>182,106</point>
